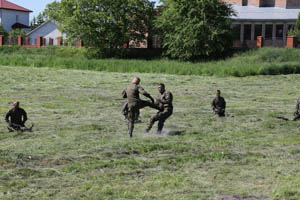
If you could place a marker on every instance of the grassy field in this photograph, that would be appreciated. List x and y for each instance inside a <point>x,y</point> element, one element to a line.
<point>264,61</point>
<point>80,148</point>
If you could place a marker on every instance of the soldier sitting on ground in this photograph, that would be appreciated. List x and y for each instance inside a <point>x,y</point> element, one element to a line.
<point>297,112</point>
<point>16,118</point>
<point>219,105</point>
<point>165,102</point>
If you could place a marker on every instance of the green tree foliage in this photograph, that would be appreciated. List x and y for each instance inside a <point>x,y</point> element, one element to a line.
<point>296,31</point>
<point>17,32</point>
<point>105,24</point>
<point>3,31</point>
<point>37,21</point>
<point>194,29</point>
<point>52,11</point>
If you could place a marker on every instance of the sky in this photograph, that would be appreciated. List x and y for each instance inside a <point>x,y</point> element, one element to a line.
<point>36,6</point>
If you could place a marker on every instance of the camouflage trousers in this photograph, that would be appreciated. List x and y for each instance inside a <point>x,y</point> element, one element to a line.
<point>161,117</point>
<point>220,112</point>
<point>296,116</point>
<point>125,111</point>
<point>133,112</point>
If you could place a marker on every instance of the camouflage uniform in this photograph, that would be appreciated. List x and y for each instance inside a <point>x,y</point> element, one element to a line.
<point>165,102</point>
<point>125,111</point>
<point>135,103</point>
<point>297,112</point>
<point>16,117</point>
<point>219,105</point>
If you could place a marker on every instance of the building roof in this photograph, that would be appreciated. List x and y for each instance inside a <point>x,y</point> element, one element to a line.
<point>253,13</point>
<point>11,6</point>
<point>40,26</point>
<point>19,26</point>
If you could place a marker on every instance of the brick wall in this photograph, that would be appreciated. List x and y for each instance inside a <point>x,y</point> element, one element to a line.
<point>254,2</point>
<point>281,3</point>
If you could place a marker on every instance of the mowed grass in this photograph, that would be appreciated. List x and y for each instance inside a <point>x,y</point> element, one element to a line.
<point>80,148</point>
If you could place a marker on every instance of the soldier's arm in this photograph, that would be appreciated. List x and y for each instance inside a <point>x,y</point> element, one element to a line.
<point>297,106</point>
<point>7,116</point>
<point>146,94</point>
<point>124,94</point>
<point>224,104</point>
<point>24,116</point>
<point>213,104</point>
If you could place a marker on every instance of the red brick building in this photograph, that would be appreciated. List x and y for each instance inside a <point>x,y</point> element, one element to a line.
<point>271,19</point>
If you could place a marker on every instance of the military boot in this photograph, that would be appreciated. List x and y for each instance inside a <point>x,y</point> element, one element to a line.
<point>149,127</point>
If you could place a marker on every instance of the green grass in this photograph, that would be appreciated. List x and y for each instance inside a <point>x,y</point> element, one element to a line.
<point>265,61</point>
<point>80,148</point>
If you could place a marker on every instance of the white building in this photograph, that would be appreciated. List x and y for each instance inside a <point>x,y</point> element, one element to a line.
<point>47,30</point>
<point>13,16</point>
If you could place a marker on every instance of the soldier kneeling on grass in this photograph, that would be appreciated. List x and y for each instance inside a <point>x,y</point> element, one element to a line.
<point>219,105</point>
<point>16,118</point>
<point>297,112</point>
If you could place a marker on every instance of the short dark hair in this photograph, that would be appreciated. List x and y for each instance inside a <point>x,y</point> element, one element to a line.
<point>162,85</point>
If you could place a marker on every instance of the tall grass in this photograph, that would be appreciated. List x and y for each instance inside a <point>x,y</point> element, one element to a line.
<point>265,61</point>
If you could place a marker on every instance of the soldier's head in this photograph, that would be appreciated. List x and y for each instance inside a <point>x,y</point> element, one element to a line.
<point>16,104</point>
<point>161,88</point>
<point>136,80</point>
<point>218,93</point>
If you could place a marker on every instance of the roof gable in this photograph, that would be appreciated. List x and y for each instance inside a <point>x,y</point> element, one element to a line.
<point>39,27</point>
<point>11,6</point>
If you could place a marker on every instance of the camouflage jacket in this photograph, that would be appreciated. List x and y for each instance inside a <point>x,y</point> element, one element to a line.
<point>133,92</point>
<point>165,100</point>
<point>16,116</point>
<point>218,103</point>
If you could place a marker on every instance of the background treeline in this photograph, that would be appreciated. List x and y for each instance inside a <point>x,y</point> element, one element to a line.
<point>189,29</point>
<point>265,61</point>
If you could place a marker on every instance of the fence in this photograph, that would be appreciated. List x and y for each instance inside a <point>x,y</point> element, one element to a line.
<point>36,42</point>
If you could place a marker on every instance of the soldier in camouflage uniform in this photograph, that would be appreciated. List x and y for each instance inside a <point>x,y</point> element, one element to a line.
<point>16,118</point>
<point>297,112</point>
<point>219,105</point>
<point>133,92</point>
<point>165,102</point>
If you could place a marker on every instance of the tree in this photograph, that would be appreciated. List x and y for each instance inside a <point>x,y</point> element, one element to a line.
<point>3,31</point>
<point>193,29</point>
<point>105,24</point>
<point>17,32</point>
<point>52,11</point>
<point>37,21</point>
<point>296,30</point>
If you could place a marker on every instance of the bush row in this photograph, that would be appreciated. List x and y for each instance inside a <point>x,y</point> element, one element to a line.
<point>266,61</point>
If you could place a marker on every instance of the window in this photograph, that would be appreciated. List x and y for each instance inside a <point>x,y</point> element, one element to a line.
<point>290,27</point>
<point>247,32</point>
<point>17,18</point>
<point>269,31</point>
<point>267,3</point>
<point>279,31</point>
<point>236,29</point>
<point>258,31</point>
